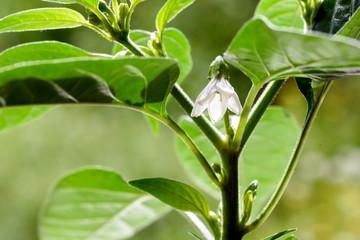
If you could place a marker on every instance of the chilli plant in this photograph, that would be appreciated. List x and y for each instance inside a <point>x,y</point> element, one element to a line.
<point>243,155</point>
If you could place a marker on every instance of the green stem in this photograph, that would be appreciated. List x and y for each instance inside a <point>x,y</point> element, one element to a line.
<point>245,115</point>
<point>230,197</point>
<point>260,107</point>
<point>294,159</point>
<point>130,45</point>
<point>203,123</point>
<point>228,129</point>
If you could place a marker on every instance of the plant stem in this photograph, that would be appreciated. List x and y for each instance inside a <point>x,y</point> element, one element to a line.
<point>260,107</point>
<point>230,197</point>
<point>228,129</point>
<point>215,137</point>
<point>294,159</point>
<point>245,114</point>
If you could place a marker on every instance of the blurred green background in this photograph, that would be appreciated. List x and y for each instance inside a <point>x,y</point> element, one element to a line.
<point>322,201</point>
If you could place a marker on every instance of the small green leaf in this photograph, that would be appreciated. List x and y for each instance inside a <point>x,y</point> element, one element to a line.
<point>176,194</point>
<point>280,234</point>
<point>96,203</point>
<point>176,44</point>
<point>333,15</point>
<point>267,53</point>
<point>291,238</point>
<point>282,13</point>
<point>304,85</point>
<point>169,11</point>
<point>42,19</point>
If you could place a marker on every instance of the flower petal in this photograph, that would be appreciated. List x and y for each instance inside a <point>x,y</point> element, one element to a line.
<point>216,108</point>
<point>198,109</point>
<point>234,104</point>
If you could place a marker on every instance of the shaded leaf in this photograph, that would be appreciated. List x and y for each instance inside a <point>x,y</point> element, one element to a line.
<point>67,79</point>
<point>42,19</point>
<point>352,27</point>
<point>283,13</point>
<point>333,14</point>
<point>96,203</point>
<point>280,234</point>
<point>169,12</point>
<point>267,53</point>
<point>304,85</point>
<point>176,194</point>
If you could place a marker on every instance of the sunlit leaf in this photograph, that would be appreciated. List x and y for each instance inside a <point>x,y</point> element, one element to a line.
<point>267,53</point>
<point>169,12</point>
<point>176,194</point>
<point>42,19</point>
<point>96,203</point>
<point>91,4</point>
<point>284,13</point>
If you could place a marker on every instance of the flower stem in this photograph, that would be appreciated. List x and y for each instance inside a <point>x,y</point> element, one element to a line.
<point>294,159</point>
<point>245,115</point>
<point>215,137</point>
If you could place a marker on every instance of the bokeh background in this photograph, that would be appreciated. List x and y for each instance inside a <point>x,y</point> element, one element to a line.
<point>322,201</point>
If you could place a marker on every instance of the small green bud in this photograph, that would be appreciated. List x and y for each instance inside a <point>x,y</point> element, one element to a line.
<point>103,7</point>
<point>247,201</point>
<point>309,10</point>
<point>123,16</point>
<point>218,69</point>
<point>155,44</point>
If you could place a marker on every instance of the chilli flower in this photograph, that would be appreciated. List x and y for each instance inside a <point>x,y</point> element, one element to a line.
<point>218,95</point>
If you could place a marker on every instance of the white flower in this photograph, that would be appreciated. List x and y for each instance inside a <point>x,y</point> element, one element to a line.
<point>217,97</point>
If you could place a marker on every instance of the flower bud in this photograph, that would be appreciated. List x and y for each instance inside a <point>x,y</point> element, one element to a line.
<point>309,9</point>
<point>155,44</point>
<point>218,69</point>
<point>247,201</point>
<point>94,20</point>
<point>123,17</point>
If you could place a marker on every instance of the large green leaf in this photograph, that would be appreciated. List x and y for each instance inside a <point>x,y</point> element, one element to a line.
<point>96,203</point>
<point>176,46</point>
<point>333,14</point>
<point>267,152</point>
<point>264,158</point>
<point>267,53</point>
<point>284,13</point>
<point>176,194</point>
<point>169,11</point>
<point>42,19</point>
<point>138,82</point>
<point>91,4</point>
<point>352,27</point>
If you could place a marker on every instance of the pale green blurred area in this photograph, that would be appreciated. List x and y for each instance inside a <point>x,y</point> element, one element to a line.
<point>323,199</point>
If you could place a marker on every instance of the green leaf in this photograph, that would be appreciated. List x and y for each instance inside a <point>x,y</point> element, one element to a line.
<point>304,85</point>
<point>189,161</point>
<point>267,53</point>
<point>291,238</point>
<point>267,152</point>
<point>91,4</point>
<point>96,203</point>
<point>333,14</point>
<point>352,27</point>
<point>137,82</point>
<point>280,234</point>
<point>176,44</point>
<point>264,158</point>
<point>42,19</point>
<point>169,12</point>
<point>176,194</point>
<point>282,13</point>
<point>13,117</point>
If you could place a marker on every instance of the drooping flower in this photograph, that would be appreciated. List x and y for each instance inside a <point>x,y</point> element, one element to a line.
<point>218,95</point>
